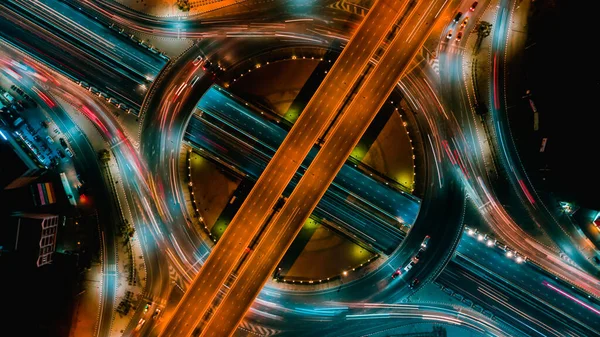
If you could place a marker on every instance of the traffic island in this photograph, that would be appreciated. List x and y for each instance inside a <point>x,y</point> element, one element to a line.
<point>320,255</point>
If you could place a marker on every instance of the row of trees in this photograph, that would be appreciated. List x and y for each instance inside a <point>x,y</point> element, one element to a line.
<point>183,5</point>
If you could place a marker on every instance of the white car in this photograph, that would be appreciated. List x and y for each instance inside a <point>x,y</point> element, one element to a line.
<point>140,324</point>
<point>409,266</point>
<point>197,60</point>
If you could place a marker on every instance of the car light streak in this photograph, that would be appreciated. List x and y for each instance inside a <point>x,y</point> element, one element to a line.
<point>571,297</point>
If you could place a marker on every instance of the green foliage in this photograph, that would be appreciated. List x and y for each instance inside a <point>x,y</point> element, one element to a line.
<point>484,29</point>
<point>183,5</point>
<point>104,156</point>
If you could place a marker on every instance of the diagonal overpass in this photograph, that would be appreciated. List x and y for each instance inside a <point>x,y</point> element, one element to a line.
<point>339,144</point>
<point>317,115</point>
<point>361,207</point>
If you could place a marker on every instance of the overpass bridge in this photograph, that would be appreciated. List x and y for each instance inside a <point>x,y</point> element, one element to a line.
<point>364,209</point>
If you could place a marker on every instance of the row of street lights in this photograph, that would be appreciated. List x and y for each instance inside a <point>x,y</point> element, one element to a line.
<point>491,242</point>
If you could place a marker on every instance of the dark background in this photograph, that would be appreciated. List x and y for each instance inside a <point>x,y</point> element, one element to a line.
<point>561,69</point>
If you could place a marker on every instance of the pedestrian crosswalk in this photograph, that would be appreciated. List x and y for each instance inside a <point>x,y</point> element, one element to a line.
<point>257,329</point>
<point>349,7</point>
<point>176,278</point>
<point>432,59</point>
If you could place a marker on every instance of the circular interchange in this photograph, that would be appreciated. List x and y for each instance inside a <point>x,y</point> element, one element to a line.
<point>274,87</point>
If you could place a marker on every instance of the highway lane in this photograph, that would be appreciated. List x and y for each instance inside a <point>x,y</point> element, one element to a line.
<point>63,37</point>
<point>315,118</point>
<point>338,146</point>
<point>518,293</point>
<point>522,285</point>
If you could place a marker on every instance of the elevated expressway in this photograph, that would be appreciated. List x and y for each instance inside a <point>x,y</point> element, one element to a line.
<point>268,189</point>
<point>366,209</point>
<point>339,143</point>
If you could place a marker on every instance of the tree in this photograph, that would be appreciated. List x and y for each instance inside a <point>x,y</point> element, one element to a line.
<point>484,29</point>
<point>183,5</point>
<point>104,156</point>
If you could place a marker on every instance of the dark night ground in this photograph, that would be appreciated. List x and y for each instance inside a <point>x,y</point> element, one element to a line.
<point>564,78</point>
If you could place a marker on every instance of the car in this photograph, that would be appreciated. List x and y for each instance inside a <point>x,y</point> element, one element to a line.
<point>69,152</point>
<point>409,266</point>
<point>197,60</point>
<point>414,283</point>
<point>63,142</point>
<point>156,313</point>
<point>473,6</point>
<point>449,35</point>
<point>597,260</point>
<point>458,36</point>
<point>60,153</point>
<point>397,273</point>
<point>464,23</point>
<point>425,242</point>
<point>140,324</point>
<point>457,17</point>
<point>416,258</point>
<point>207,65</point>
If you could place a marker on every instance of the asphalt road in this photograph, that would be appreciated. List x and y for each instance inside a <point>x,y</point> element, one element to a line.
<point>62,37</point>
<point>254,211</point>
<point>367,209</point>
<point>339,144</point>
